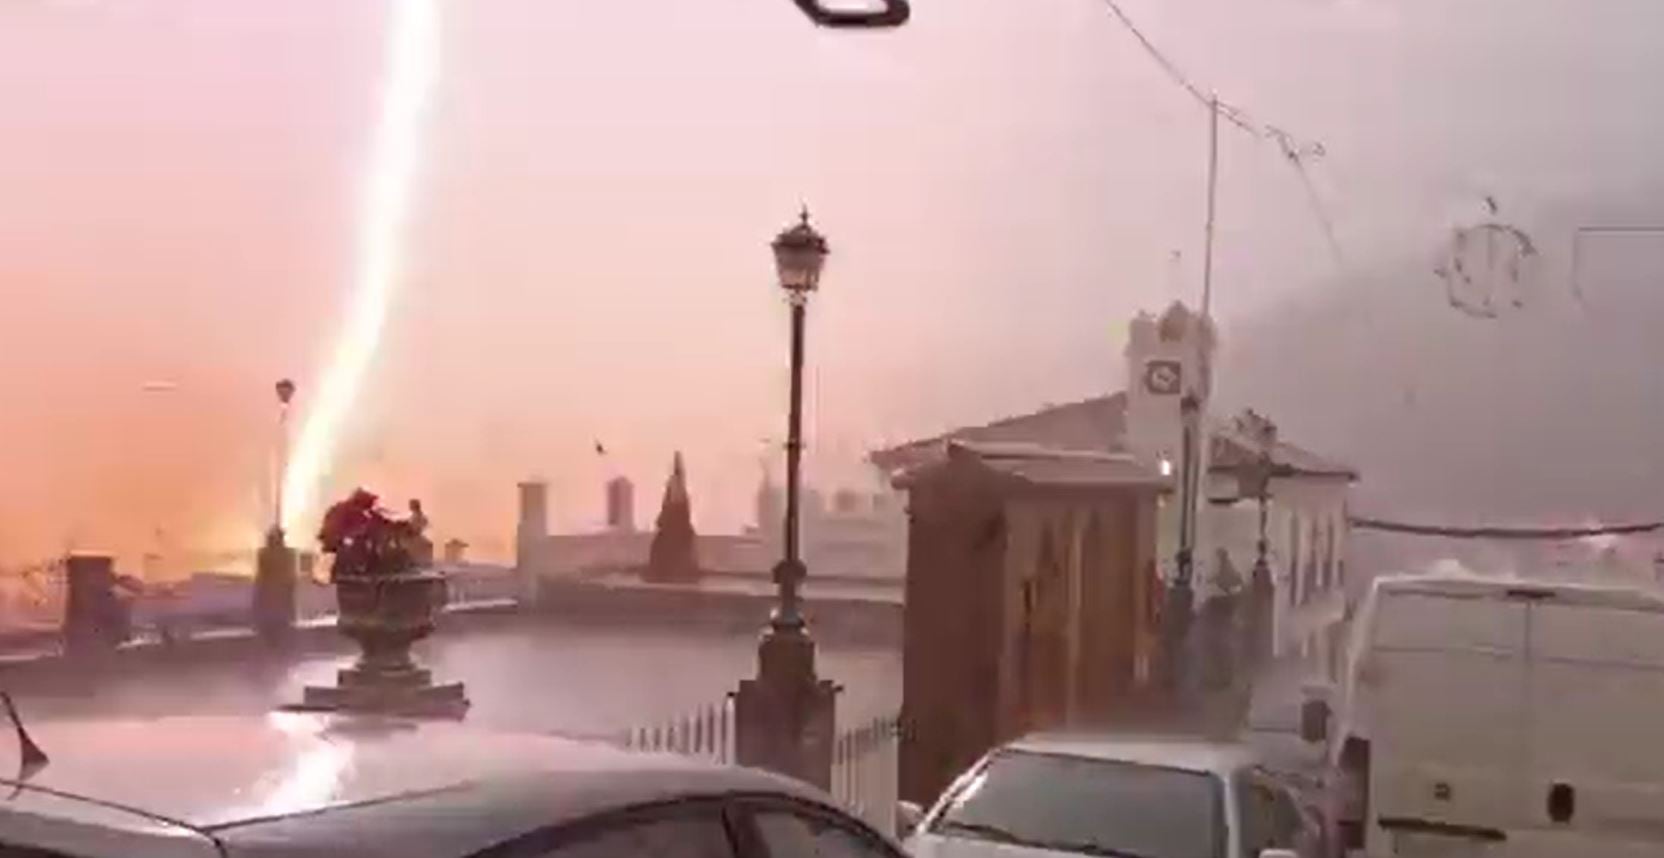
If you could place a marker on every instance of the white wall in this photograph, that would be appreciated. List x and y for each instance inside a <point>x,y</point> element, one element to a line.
<point>1306,571</point>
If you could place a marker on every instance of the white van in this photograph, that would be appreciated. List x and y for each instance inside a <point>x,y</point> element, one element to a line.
<point>1503,718</point>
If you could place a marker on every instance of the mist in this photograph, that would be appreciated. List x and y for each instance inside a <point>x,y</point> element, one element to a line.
<point>1003,185</point>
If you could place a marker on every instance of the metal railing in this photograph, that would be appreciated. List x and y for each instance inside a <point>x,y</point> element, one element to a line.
<point>865,759</point>
<point>865,766</point>
<point>706,733</point>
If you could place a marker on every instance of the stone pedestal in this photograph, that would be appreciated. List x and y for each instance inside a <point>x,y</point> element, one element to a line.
<point>95,618</point>
<point>784,718</point>
<point>386,614</point>
<point>276,573</point>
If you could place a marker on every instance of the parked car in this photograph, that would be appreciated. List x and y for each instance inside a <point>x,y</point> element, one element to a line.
<point>1503,716</point>
<point>310,785</point>
<point>1118,797</point>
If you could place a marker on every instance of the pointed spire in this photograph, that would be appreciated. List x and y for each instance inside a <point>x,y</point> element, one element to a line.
<point>673,555</point>
<point>676,489</point>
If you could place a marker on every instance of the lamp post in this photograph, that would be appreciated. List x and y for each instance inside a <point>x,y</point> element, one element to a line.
<point>1181,594</point>
<point>1256,483</point>
<point>285,392</point>
<point>799,255</point>
<point>1259,482</point>
<point>160,425</point>
<point>1189,408</point>
<point>784,716</point>
<point>276,564</point>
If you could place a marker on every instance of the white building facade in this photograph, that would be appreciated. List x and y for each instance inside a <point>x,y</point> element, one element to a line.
<point>1170,358</point>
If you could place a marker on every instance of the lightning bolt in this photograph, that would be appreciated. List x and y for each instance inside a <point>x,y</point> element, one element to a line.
<point>412,67</point>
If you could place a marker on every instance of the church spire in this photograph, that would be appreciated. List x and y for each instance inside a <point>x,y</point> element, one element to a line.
<point>673,555</point>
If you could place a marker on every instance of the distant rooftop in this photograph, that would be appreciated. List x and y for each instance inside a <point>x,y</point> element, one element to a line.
<point>1048,467</point>
<point>1098,425</point>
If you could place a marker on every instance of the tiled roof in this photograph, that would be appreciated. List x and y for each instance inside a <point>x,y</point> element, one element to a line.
<point>1231,450</point>
<point>1050,467</point>
<point>1097,425</point>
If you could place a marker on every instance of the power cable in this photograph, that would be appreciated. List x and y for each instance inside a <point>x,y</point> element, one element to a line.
<point>1526,533</point>
<point>1296,152</point>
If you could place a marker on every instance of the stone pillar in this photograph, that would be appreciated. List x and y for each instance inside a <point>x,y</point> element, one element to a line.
<point>621,505</point>
<point>1258,618</point>
<point>533,527</point>
<point>1177,607</point>
<point>531,536</point>
<point>276,574</point>
<point>95,618</point>
<point>784,718</point>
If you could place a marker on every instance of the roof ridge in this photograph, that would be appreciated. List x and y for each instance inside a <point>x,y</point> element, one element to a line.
<point>1036,450</point>
<point>999,423</point>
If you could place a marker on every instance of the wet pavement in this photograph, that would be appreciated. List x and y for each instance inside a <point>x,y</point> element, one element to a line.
<point>521,675</point>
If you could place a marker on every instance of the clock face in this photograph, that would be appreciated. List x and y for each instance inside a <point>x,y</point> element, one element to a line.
<point>1162,377</point>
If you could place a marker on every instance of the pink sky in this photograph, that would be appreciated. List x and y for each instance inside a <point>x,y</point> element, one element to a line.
<point>1002,182</point>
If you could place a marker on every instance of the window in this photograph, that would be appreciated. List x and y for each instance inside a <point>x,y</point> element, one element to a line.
<point>1308,591</point>
<point>1293,560</point>
<point>680,832</point>
<point>1328,553</point>
<point>1269,817</point>
<point>1076,804</point>
<point>801,834</point>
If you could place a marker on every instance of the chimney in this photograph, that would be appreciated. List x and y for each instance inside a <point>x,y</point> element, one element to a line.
<point>532,533</point>
<point>621,505</point>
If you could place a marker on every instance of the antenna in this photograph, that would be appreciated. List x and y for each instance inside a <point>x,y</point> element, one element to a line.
<point>30,757</point>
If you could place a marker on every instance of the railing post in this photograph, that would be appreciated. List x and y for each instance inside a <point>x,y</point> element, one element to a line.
<point>723,754</point>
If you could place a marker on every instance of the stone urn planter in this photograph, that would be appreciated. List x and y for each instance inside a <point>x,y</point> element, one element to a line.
<point>387,603</point>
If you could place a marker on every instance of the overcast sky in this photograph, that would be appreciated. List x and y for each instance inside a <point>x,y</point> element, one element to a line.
<point>1003,183</point>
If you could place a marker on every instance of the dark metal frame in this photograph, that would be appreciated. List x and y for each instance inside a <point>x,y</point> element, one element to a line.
<point>892,14</point>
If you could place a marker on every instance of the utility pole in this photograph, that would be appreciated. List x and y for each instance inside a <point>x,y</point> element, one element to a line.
<point>1213,195</point>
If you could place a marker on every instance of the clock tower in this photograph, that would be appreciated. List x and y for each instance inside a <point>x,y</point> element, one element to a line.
<point>1167,359</point>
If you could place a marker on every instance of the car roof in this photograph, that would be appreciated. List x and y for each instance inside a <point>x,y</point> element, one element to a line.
<point>314,784</point>
<point>1175,752</point>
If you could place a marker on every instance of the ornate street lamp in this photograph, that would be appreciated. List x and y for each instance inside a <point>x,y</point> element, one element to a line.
<point>784,716</point>
<point>1254,481</point>
<point>799,256</point>
<point>1190,408</point>
<point>276,564</point>
<point>285,389</point>
<point>1181,595</point>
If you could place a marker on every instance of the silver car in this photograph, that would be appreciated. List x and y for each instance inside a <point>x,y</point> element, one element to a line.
<point>1049,796</point>
<point>308,785</point>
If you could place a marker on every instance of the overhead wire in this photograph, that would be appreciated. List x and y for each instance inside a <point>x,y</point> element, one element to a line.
<point>1492,532</point>
<point>1293,150</point>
